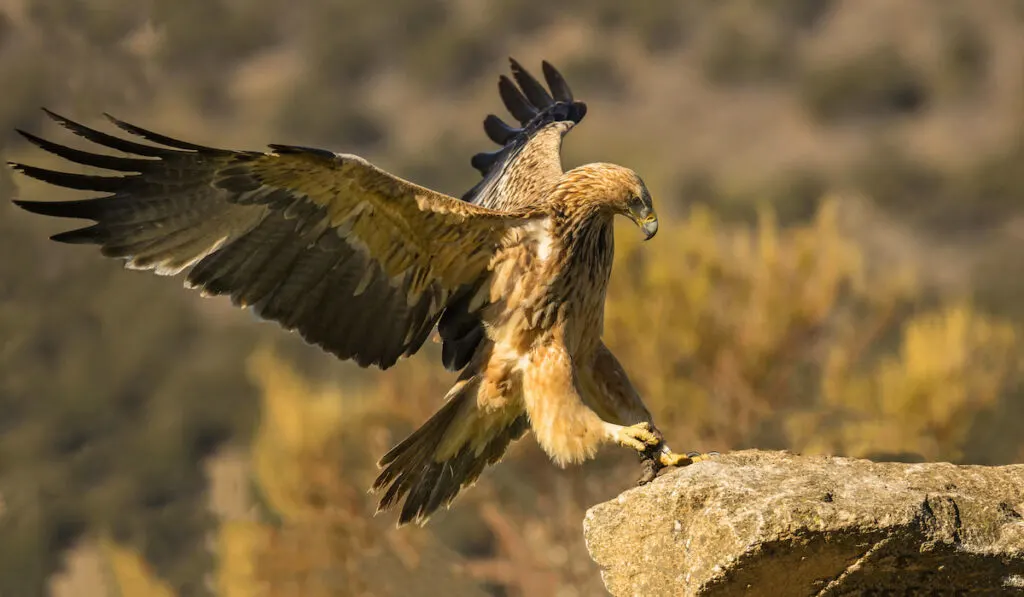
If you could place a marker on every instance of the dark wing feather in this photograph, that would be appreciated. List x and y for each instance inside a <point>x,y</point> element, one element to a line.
<point>356,260</point>
<point>526,146</point>
<point>498,131</point>
<point>532,89</point>
<point>521,108</point>
<point>559,88</point>
<point>518,175</point>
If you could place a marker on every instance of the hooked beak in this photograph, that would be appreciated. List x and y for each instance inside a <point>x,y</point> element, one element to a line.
<point>647,220</point>
<point>650,227</point>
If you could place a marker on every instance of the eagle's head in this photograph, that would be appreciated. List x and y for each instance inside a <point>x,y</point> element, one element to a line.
<point>616,190</point>
<point>640,209</point>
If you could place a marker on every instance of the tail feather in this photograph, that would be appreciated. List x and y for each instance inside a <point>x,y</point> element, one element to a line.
<point>424,471</point>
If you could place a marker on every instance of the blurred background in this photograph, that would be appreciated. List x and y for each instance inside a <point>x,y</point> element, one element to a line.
<point>840,268</point>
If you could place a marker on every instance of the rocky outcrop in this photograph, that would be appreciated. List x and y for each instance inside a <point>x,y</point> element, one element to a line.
<point>778,524</point>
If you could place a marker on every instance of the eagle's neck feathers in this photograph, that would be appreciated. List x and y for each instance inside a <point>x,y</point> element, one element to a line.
<point>579,269</point>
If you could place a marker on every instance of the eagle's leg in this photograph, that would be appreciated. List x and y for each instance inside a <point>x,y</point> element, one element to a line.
<point>564,426</point>
<point>606,389</point>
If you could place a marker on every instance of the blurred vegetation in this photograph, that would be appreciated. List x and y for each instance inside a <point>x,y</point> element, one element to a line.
<point>838,272</point>
<point>921,401</point>
<point>977,195</point>
<point>745,317</point>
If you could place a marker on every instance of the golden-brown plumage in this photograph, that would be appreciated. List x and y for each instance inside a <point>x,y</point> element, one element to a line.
<point>365,264</point>
<point>542,355</point>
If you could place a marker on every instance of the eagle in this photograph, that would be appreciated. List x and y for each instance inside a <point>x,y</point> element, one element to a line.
<point>366,265</point>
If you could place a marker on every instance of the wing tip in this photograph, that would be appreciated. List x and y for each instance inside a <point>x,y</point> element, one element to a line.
<point>533,106</point>
<point>80,209</point>
<point>578,111</point>
<point>64,121</point>
<point>90,235</point>
<point>556,82</point>
<point>526,98</point>
<point>34,140</point>
<point>26,135</point>
<point>25,205</point>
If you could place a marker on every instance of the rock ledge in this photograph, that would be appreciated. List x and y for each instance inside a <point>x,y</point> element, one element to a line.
<point>778,524</point>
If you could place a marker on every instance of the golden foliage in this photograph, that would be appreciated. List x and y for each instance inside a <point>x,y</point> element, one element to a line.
<point>311,464</point>
<point>731,333</point>
<point>239,545</point>
<point>297,423</point>
<point>716,326</point>
<point>128,574</point>
<point>952,364</point>
<point>315,548</point>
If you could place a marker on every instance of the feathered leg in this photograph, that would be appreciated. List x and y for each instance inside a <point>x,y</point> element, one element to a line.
<point>565,426</point>
<point>607,390</point>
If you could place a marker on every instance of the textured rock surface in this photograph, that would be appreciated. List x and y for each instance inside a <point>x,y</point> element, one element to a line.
<point>774,523</point>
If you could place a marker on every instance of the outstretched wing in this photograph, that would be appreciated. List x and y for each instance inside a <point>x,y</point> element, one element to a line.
<point>529,163</point>
<point>356,260</point>
<point>519,175</point>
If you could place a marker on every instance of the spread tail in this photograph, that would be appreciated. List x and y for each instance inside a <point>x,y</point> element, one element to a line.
<point>446,454</point>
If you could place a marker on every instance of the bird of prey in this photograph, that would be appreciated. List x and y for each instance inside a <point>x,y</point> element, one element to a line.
<point>366,265</point>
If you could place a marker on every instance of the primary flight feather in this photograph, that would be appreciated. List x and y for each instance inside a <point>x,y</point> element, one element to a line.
<point>365,265</point>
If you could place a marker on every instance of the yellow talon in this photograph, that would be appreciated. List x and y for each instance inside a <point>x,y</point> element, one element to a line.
<point>639,437</point>
<point>670,458</point>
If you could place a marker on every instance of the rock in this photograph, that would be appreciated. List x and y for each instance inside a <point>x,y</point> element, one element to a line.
<point>778,524</point>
